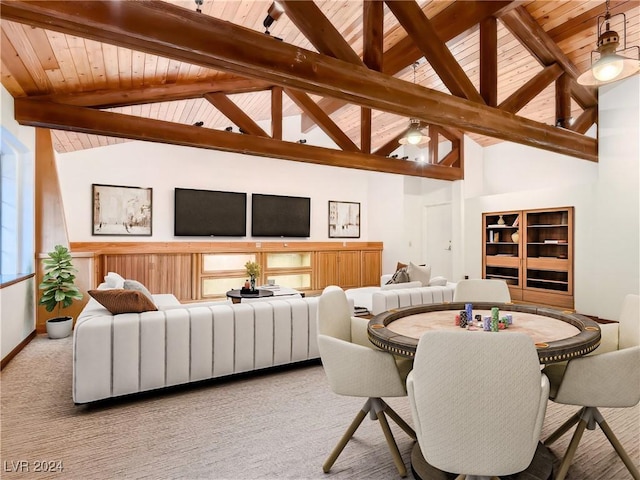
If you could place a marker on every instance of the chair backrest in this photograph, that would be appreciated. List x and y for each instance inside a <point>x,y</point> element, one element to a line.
<point>629,326</point>
<point>478,401</point>
<point>482,290</point>
<point>334,314</point>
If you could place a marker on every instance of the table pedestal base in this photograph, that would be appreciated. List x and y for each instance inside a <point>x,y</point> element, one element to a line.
<point>541,467</point>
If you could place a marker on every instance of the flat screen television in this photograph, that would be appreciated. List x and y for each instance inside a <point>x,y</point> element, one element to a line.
<point>209,213</point>
<point>280,216</point>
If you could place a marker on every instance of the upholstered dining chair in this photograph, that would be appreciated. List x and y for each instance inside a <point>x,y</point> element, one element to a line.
<point>355,367</point>
<point>608,378</point>
<point>482,290</point>
<point>478,402</point>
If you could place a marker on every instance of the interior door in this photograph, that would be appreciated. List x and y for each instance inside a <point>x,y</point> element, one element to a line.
<point>437,235</point>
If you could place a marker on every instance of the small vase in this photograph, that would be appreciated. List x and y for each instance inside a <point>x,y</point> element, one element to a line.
<point>500,220</point>
<point>515,236</point>
<point>253,283</point>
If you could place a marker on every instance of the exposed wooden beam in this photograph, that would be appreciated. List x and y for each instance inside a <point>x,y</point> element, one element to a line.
<point>276,113</point>
<point>328,126</point>
<point>454,20</point>
<point>451,157</point>
<point>425,36</point>
<point>373,43</point>
<point>585,120</point>
<point>159,93</point>
<point>563,101</point>
<point>391,145</point>
<point>314,25</point>
<point>434,144</point>
<point>489,61</point>
<point>85,120</point>
<point>538,42</point>
<point>527,92</point>
<point>235,114</point>
<point>286,65</point>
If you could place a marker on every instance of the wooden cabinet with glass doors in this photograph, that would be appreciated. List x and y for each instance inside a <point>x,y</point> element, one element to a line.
<point>532,250</point>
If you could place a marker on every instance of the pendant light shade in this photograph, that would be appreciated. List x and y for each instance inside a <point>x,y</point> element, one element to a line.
<point>415,135</point>
<point>611,66</point>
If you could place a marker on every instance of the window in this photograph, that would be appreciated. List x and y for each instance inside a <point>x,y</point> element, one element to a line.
<point>17,211</point>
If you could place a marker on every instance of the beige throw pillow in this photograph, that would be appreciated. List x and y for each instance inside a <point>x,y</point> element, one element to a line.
<point>136,285</point>
<point>421,274</point>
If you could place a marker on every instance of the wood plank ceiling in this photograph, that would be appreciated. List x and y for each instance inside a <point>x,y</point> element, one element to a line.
<point>102,72</point>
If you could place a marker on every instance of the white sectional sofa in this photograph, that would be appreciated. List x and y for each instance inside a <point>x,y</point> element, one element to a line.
<point>388,296</point>
<point>115,355</point>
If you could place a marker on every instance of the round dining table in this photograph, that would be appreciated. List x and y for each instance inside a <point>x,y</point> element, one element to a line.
<point>558,336</point>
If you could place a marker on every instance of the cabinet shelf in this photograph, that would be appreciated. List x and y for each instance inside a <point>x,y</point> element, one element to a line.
<point>539,267</point>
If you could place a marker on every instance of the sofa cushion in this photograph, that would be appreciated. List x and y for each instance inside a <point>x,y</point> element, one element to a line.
<point>195,305</point>
<point>135,285</point>
<point>118,300</point>
<point>420,273</point>
<point>437,282</point>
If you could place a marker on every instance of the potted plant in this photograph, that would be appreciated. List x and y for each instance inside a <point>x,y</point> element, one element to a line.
<point>58,290</point>
<point>253,270</point>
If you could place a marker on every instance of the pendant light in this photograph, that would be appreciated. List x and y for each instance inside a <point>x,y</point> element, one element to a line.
<point>415,135</point>
<point>611,66</point>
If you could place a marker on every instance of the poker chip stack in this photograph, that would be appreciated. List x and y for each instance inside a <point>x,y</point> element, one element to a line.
<point>463,319</point>
<point>495,318</point>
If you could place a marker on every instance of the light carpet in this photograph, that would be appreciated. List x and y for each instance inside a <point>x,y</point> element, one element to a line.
<point>276,425</point>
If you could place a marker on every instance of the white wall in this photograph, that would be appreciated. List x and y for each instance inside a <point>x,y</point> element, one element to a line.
<point>18,315</point>
<point>604,194</point>
<point>17,301</point>
<point>617,256</point>
<point>164,167</point>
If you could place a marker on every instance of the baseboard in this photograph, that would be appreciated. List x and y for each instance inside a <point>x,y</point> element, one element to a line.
<point>16,350</point>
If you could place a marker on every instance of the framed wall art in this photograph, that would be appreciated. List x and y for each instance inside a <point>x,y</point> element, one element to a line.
<point>121,210</point>
<point>344,219</point>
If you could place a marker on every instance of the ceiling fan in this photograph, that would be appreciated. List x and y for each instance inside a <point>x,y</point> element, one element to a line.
<point>416,134</point>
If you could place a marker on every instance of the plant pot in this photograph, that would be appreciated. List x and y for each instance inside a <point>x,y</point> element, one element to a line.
<point>59,327</point>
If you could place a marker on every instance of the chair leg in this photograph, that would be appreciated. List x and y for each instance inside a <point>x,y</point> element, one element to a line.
<point>565,427</point>
<point>571,451</point>
<point>589,416</point>
<point>391,442</point>
<point>376,408</point>
<point>326,466</point>
<point>399,421</point>
<point>617,446</point>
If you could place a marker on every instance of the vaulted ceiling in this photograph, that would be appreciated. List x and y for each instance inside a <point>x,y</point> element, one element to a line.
<point>102,72</point>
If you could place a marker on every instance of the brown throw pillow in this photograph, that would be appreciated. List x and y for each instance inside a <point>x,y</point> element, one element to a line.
<point>118,300</point>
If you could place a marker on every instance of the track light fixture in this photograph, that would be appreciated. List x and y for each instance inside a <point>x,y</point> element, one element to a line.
<point>198,5</point>
<point>273,14</point>
<point>611,66</point>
